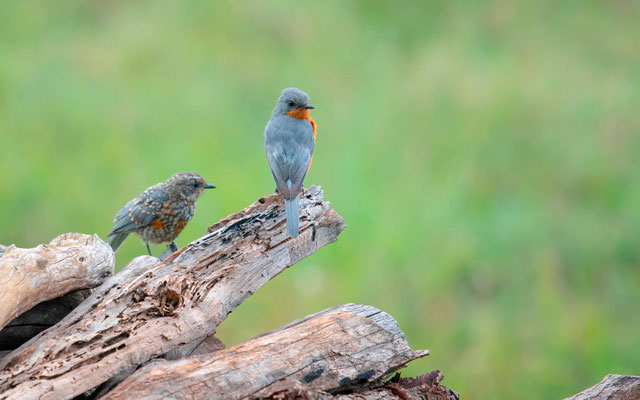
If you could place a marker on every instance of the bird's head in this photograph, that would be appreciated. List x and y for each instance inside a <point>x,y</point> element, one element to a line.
<point>293,102</point>
<point>188,184</point>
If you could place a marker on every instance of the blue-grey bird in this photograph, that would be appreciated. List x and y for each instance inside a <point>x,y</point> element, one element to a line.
<point>289,138</point>
<point>161,212</point>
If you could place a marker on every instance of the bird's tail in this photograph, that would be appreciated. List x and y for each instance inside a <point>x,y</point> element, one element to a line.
<point>116,240</point>
<point>293,211</point>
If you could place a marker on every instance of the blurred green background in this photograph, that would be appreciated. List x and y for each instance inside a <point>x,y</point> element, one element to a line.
<point>484,155</point>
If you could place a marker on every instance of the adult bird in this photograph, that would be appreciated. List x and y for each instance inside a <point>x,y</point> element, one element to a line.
<point>289,138</point>
<point>161,212</point>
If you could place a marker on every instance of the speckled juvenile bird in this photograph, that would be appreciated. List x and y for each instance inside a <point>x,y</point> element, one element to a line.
<point>289,138</point>
<point>160,213</point>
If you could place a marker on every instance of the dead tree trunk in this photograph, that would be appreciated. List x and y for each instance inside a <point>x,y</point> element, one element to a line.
<point>133,318</point>
<point>612,387</point>
<point>70,262</point>
<point>347,348</point>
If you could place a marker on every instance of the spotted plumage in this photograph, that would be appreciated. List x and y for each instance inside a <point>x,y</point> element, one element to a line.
<point>161,212</point>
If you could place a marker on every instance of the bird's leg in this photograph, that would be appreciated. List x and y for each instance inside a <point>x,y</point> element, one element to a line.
<point>171,248</point>
<point>148,249</point>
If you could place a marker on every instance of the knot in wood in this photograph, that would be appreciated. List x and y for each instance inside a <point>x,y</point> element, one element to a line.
<point>170,301</point>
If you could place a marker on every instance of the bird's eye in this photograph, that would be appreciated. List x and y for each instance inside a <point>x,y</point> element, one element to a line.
<point>195,185</point>
<point>291,103</point>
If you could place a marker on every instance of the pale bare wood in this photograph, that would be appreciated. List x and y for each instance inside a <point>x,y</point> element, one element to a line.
<point>176,302</point>
<point>69,262</point>
<point>612,387</point>
<point>339,349</point>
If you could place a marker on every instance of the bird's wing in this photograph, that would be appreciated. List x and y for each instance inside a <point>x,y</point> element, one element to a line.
<point>289,147</point>
<point>300,161</point>
<point>139,212</point>
<point>278,165</point>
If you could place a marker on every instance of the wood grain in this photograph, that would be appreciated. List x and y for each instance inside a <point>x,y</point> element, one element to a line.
<point>336,350</point>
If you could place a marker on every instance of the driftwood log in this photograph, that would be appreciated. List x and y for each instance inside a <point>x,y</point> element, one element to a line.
<point>612,387</point>
<point>146,311</point>
<point>347,348</point>
<point>69,262</point>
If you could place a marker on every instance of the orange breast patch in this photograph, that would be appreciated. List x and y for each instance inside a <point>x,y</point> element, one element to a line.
<point>303,113</point>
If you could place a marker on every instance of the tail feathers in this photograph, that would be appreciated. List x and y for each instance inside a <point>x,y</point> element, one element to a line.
<point>116,240</point>
<point>292,216</point>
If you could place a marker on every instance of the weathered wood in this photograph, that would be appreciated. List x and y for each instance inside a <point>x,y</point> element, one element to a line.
<point>39,318</point>
<point>424,387</point>
<point>207,345</point>
<point>69,262</point>
<point>178,301</point>
<point>340,349</point>
<point>612,387</point>
<point>136,267</point>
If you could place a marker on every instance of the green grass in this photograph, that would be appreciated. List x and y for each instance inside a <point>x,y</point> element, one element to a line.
<point>484,155</point>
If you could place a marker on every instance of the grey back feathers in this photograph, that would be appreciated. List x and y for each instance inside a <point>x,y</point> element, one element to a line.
<point>288,144</point>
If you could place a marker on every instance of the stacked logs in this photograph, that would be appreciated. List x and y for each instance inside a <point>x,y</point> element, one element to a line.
<point>148,331</point>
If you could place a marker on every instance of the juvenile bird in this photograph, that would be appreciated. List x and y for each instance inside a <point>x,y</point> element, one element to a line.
<point>289,138</point>
<point>160,213</point>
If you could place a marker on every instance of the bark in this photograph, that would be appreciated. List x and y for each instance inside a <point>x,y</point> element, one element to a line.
<point>182,299</point>
<point>70,262</point>
<point>612,387</point>
<point>346,348</point>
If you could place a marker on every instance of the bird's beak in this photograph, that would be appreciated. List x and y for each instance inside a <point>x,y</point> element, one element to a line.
<point>209,186</point>
<point>309,107</point>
